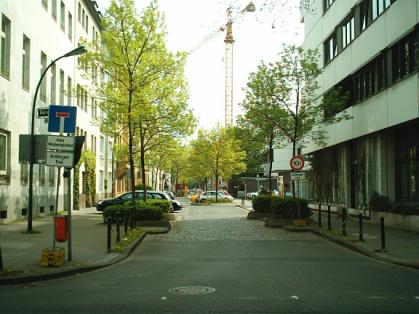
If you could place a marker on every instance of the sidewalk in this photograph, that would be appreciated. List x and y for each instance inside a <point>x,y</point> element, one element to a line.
<point>21,252</point>
<point>402,246</point>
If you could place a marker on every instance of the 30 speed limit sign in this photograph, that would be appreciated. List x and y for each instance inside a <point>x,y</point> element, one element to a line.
<point>297,163</point>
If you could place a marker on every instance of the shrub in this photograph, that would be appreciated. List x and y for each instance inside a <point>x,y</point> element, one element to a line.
<point>262,203</point>
<point>164,205</point>
<point>143,211</point>
<point>287,207</point>
<point>380,203</point>
<point>141,187</point>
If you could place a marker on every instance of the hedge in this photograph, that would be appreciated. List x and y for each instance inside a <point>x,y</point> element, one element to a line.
<point>262,203</point>
<point>287,207</point>
<point>143,211</point>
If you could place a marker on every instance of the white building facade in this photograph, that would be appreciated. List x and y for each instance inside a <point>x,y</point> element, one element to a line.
<point>369,48</point>
<point>33,33</point>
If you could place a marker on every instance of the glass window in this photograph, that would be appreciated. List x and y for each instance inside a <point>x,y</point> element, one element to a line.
<point>101,178</point>
<point>51,176</point>
<point>26,57</point>
<point>5,46</point>
<point>24,174</point>
<point>79,12</point>
<point>101,146</point>
<point>54,9</point>
<point>62,87</point>
<point>43,89</point>
<point>70,26</point>
<point>69,91</point>
<point>348,31</point>
<point>45,4</point>
<point>3,153</point>
<point>41,174</point>
<point>62,16</point>
<point>53,84</point>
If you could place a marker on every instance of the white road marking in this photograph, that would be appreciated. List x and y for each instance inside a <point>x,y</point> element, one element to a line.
<point>164,298</point>
<point>294,297</point>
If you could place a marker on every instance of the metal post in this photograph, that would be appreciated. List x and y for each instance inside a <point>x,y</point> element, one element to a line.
<point>361,228</point>
<point>131,218</point>
<point>1,260</point>
<point>118,224</point>
<point>56,205</point>
<point>126,223</point>
<point>383,234</point>
<point>344,221</point>
<point>329,220</point>
<point>69,243</point>
<point>320,214</point>
<point>109,221</point>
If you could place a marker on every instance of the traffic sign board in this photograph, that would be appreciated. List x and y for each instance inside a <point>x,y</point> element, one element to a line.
<point>42,113</point>
<point>60,159</point>
<point>60,151</point>
<point>297,176</point>
<point>297,163</point>
<point>62,119</point>
<point>60,143</point>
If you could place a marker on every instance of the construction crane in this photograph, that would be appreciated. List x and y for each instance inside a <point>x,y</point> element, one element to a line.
<point>229,40</point>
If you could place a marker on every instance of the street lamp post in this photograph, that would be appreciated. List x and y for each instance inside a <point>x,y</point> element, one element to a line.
<point>77,51</point>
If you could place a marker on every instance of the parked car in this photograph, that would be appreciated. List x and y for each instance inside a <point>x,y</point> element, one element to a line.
<point>175,203</point>
<point>139,195</point>
<point>211,196</point>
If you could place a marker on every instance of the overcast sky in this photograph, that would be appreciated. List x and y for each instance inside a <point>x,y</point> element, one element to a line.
<point>258,36</point>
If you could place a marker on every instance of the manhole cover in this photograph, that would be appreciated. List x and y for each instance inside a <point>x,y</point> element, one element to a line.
<point>192,290</point>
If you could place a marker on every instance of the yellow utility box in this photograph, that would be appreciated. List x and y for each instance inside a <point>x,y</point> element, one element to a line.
<point>53,257</point>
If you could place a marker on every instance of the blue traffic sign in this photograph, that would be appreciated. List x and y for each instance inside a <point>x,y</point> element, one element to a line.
<point>62,119</point>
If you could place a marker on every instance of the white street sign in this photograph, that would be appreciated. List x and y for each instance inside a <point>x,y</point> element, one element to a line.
<point>297,176</point>
<point>60,159</point>
<point>60,143</point>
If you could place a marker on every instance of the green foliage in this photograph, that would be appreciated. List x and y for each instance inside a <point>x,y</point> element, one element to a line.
<point>87,158</point>
<point>141,187</point>
<point>164,205</point>
<point>143,211</point>
<point>380,203</point>
<point>287,207</point>
<point>262,203</point>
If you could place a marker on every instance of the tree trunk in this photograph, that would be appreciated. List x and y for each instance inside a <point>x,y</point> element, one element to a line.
<point>130,143</point>
<point>142,157</point>
<point>270,156</point>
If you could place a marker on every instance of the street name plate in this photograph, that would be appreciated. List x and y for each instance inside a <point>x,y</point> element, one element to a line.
<point>60,143</point>
<point>60,159</point>
<point>297,176</point>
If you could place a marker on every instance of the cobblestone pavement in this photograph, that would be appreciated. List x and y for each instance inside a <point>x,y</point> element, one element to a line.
<point>222,223</point>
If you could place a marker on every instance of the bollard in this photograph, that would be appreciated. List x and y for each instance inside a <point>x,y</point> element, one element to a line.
<point>344,221</point>
<point>131,218</point>
<point>329,222</point>
<point>383,234</point>
<point>320,215</point>
<point>125,223</point>
<point>118,229</point>
<point>361,228</point>
<point>243,201</point>
<point>109,222</point>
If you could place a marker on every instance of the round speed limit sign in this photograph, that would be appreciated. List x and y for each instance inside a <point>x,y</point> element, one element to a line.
<point>297,163</point>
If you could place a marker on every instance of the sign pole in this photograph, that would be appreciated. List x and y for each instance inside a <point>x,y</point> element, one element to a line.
<point>56,205</point>
<point>69,256</point>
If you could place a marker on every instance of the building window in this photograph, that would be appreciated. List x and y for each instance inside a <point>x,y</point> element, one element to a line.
<point>101,178</point>
<point>407,164</point>
<point>26,57</point>
<point>327,4</point>
<point>70,26</point>
<point>83,18</point>
<point>4,152</point>
<point>45,4</point>
<point>348,31</point>
<point>87,24</point>
<point>403,57</point>
<point>330,48</point>
<point>110,151</point>
<point>69,91</point>
<point>24,174</point>
<point>370,10</point>
<point>5,46</point>
<point>51,176</point>
<point>62,87</point>
<point>79,12</point>
<point>62,16</point>
<point>101,147</point>
<point>41,174</point>
<point>43,89</point>
<point>54,9</point>
<point>53,83</point>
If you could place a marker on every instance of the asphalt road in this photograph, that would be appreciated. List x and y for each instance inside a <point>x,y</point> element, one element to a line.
<point>215,260</point>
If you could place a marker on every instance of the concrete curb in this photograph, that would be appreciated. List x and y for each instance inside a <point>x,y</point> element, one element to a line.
<point>60,273</point>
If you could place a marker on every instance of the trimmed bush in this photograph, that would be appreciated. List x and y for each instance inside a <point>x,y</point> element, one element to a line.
<point>287,207</point>
<point>143,211</point>
<point>262,203</point>
<point>164,205</point>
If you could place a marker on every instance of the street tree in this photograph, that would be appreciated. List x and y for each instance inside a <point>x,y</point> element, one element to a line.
<point>285,95</point>
<point>216,153</point>
<point>133,57</point>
